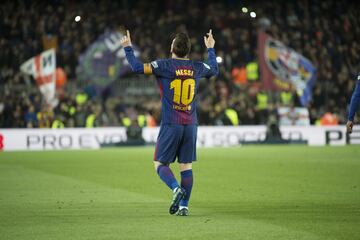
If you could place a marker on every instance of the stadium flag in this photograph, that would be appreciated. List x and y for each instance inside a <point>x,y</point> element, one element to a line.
<point>43,68</point>
<point>282,68</point>
<point>104,60</point>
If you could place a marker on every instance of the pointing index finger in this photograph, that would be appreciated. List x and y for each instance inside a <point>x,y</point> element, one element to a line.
<point>128,33</point>
<point>210,32</point>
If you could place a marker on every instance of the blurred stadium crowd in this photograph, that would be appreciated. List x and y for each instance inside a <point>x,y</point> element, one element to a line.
<point>326,32</point>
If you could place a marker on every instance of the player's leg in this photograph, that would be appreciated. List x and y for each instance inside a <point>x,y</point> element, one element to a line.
<point>165,153</point>
<point>186,183</point>
<point>187,155</point>
<point>166,175</point>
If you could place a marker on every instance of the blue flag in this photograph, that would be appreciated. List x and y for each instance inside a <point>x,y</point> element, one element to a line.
<point>104,60</point>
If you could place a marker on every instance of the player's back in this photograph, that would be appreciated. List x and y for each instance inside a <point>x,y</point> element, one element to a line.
<point>178,80</point>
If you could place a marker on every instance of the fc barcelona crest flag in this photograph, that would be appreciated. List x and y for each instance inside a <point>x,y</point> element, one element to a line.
<point>282,68</point>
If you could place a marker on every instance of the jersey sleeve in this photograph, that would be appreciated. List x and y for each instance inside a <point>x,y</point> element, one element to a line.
<point>211,68</point>
<point>136,65</point>
<point>157,67</point>
<point>355,100</point>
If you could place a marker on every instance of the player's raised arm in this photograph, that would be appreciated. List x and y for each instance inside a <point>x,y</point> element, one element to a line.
<point>212,68</point>
<point>136,65</point>
<point>354,105</point>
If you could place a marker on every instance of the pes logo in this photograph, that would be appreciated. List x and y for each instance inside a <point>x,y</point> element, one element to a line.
<point>1,142</point>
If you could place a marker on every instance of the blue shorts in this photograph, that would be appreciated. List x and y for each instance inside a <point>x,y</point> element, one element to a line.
<point>176,140</point>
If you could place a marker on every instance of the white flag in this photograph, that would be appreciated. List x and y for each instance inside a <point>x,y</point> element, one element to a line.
<point>43,68</point>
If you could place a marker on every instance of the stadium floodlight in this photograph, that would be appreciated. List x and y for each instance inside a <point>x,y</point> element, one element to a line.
<point>219,59</point>
<point>253,14</point>
<point>244,9</point>
<point>77,19</point>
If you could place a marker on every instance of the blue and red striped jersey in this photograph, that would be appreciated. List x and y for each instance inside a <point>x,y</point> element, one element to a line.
<point>178,80</point>
<point>355,100</point>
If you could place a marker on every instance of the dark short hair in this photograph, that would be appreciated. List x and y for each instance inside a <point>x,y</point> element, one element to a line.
<point>182,45</point>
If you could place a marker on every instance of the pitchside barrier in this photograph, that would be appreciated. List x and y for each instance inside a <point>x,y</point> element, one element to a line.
<point>94,138</point>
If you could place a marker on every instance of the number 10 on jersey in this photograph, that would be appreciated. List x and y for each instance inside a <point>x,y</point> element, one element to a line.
<point>183,90</point>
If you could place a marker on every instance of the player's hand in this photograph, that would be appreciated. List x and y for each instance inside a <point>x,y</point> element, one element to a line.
<point>126,40</point>
<point>349,127</point>
<point>209,40</point>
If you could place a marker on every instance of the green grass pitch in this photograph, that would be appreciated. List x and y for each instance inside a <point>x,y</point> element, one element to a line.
<point>250,192</point>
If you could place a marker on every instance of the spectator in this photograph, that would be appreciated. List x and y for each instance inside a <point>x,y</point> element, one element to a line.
<point>30,117</point>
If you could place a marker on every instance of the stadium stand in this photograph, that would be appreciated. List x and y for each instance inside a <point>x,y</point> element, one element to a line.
<point>326,32</point>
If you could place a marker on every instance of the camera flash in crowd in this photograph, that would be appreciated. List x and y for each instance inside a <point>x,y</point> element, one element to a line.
<point>244,9</point>
<point>77,19</point>
<point>219,59</point>
<point>253,14</point>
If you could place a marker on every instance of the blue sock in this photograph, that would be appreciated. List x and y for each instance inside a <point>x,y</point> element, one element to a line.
<point>167,176</point>
<point>186,183</point>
